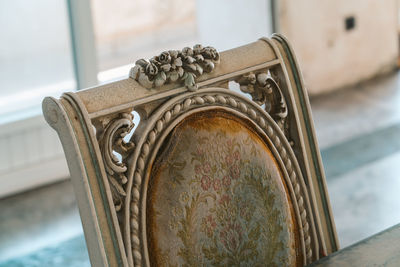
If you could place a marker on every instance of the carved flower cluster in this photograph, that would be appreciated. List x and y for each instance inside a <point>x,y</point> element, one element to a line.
<point>174,65</point>
<point>258,86</point>
<point>265,91</point>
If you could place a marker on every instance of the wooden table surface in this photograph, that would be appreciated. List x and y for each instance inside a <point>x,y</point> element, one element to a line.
<point>382,249</point>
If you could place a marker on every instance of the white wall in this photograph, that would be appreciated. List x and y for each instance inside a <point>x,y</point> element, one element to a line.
<point>331,57</point>
<point>30,156</point>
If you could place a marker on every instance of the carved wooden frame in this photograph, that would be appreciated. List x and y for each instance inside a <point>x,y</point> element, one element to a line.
<point>111,190</point>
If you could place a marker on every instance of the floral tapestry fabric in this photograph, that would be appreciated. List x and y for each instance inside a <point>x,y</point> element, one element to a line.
<point>216,197</point>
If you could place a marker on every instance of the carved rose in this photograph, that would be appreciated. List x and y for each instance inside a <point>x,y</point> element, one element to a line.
<point>188,59</point>
<point>187,51</point>
<point>151,69</point>
<point>208,66</point>
<point>199,58</point>
<point>210,53</point>
<point>177,63</point>
<point>164,58</point>
<point>173,53</point>
<point>197,48</point>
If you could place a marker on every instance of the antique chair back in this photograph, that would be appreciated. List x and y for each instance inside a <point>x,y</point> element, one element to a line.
<point>174,166</point>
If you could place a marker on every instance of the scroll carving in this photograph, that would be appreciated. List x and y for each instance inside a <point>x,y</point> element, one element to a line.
<point>265,91</point>
<point>173,66</point>
<point>112,142</point>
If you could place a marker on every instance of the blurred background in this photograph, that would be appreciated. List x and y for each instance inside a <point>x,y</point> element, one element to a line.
<point>348,51</point>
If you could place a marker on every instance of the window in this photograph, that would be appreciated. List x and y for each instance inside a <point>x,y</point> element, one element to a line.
<point>143,28</point>
<point>35,54</point>
<point>52,46</point>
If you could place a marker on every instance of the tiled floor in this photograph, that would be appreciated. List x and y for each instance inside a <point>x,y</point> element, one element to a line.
<point>35,222</point>
<point>358,131</point>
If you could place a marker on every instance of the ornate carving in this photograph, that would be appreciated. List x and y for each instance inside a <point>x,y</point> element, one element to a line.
<point>112,142</point>
<point>213,99</point>
<point>174,65</point>
<point>265,91</point>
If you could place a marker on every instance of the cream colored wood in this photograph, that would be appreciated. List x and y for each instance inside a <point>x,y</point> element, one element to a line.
<point>311,150</point>
<point>110,163</point>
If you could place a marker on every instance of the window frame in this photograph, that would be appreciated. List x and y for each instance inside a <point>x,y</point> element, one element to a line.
<point>32,155</point>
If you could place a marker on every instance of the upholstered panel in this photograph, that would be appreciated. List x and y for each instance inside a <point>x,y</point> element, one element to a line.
<point>216,196</point>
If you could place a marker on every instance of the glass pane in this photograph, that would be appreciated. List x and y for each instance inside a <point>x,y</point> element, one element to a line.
<point>35,53</point>
<point>142,28</point>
